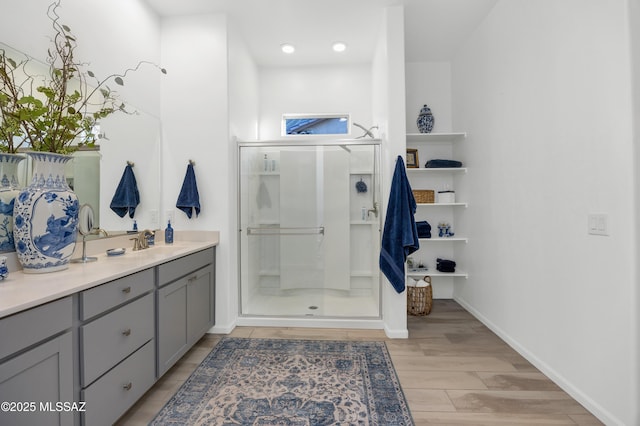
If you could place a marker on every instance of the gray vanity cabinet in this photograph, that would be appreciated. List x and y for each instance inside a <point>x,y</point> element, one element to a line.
<point>36,365</point>
<point>117,351</point>
<point>186,291</point>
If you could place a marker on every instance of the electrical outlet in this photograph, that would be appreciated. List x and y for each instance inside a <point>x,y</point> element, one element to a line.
<point>169,216</point>
<point>154,218</point>
<point>598,224</point>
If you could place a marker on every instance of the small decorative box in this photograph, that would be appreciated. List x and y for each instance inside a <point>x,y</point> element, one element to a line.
<point>446,196</point>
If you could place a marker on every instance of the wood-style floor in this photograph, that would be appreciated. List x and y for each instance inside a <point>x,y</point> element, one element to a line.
<point>453,370</point>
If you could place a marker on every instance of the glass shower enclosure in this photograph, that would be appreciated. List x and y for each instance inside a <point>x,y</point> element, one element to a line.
<point>309,235</point>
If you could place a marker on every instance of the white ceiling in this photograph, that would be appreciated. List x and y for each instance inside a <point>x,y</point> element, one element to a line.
<point>434,28</point>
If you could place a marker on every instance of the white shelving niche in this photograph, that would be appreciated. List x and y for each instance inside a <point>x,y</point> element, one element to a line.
<point>438,146</point>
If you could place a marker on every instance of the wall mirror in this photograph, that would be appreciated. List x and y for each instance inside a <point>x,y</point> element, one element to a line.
<point>94,173</point>
<point>316,124</point>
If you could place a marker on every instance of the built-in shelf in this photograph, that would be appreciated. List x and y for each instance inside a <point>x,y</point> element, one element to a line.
<point>442,204</point>
<point>437,169</point>
<point>444,239</point>
<point>435,273</point>
<point>443,175</point>
<point>435,137</point>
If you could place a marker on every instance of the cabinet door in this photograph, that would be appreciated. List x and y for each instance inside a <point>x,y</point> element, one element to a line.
<point>199,304</point>
<point>185,313</point>
<point>172,324</point>
<point>41,377</point>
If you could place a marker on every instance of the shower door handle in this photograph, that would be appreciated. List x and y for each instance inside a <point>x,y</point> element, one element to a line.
<point>286,231</point>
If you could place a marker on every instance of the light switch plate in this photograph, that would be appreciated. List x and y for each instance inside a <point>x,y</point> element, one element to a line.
<point>598,224</point>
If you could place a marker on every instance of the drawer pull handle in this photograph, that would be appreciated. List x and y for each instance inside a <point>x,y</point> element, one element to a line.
<point>126,332</point>
<point>128,386</point>
<point>126,290</point>
<point>193,278</point>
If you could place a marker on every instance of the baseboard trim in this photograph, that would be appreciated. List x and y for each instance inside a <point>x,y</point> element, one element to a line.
<point>222,329</point>
<point>596,409</point>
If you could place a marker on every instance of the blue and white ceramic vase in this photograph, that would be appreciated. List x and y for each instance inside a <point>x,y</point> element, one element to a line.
<point>425,120</point>
<point>4,271</point>
<point>45,216</point>
<point>9,190</point>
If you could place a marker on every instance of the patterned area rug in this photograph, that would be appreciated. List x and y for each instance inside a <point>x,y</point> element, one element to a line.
<point>292,383</point>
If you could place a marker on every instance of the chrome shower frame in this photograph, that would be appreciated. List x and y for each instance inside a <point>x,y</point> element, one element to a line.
<point>375,209</point>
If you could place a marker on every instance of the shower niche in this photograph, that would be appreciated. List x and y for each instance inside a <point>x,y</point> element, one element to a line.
<point>309,232</point>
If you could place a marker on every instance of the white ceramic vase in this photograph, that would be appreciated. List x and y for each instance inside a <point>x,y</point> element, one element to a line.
<point>46,216</point>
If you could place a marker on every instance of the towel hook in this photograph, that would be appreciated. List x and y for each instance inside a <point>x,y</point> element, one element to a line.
<point>130,163</point>
<point>193,163</point>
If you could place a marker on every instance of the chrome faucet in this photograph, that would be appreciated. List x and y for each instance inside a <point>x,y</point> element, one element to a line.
<point>99,231</point>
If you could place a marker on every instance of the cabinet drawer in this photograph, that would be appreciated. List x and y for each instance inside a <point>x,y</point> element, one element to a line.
<point>175,269</point>
<point>111,338</point>
<point>114,293</point>
<point>29,327</point>
<point>115,392</point>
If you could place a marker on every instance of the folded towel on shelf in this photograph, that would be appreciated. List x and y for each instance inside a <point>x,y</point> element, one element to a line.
<point>189,199</point>
<point>444,265</point>
<point>127,197</point>
<point>424,229</point>
<point>438,164</point>
<point>400,236</point>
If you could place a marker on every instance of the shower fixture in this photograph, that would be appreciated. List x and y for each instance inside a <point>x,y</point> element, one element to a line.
<point>367,132</point>
<point>374,210</point>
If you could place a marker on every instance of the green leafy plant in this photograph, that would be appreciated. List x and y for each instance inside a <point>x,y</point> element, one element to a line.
<point>57,112</point>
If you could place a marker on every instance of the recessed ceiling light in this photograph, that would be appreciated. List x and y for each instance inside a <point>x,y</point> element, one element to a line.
<point>339,46</point>
<point>287,48</point>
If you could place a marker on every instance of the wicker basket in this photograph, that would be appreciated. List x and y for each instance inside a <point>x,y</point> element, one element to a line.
<point>420,299</point>
<point>424,196</point>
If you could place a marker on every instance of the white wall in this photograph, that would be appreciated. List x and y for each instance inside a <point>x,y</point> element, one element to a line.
<point>634,26</point>
<point>243,124</point>
<point>543,90</point>
<point>310,89</point>
<point>195,122</point>
<point>123,33</point>
<point>388,112</point>
<point>429,83</point>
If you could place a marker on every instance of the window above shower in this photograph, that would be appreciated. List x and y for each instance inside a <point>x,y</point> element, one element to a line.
<point>316,124</point>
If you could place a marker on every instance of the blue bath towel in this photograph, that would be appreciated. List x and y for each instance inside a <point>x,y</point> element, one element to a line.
<point>437,163</point>
<point>400,236</point>
<point>189,199</point>
<point>127,197</point>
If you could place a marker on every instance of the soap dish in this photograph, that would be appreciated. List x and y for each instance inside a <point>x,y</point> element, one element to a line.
<point>116,251</point>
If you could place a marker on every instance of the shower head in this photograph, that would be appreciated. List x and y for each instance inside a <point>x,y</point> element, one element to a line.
<point>367,132</point>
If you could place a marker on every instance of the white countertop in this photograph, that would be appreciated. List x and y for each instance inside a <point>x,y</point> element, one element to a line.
<point>22,291</point>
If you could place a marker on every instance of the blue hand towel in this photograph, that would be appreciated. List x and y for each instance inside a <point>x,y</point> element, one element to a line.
<point>127,197</point>
<point>400,236</point>
<point>189,200</point>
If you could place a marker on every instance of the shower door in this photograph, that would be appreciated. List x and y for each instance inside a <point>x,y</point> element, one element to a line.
<point>301,217</point>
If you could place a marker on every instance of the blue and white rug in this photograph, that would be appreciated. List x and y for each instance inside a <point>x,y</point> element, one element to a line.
<point>292,383</point>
